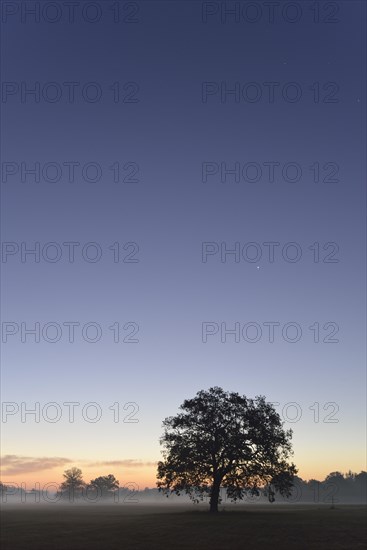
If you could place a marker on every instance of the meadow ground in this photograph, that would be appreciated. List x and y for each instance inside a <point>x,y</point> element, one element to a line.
<point>153,527</point>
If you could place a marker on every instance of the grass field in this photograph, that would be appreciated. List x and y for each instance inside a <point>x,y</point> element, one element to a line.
<point>135,527</point>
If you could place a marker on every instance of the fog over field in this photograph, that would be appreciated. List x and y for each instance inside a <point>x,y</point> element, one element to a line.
<point>336,489</point>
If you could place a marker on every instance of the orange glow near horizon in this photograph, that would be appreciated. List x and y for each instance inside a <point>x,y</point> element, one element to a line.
<point>141,477</point>
<point>145,476</point>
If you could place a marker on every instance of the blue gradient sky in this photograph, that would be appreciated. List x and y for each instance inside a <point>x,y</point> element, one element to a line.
<point>169,212</point>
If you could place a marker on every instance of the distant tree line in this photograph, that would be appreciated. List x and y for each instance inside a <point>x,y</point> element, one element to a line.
<point>336,488</point>
<point>72,488</point>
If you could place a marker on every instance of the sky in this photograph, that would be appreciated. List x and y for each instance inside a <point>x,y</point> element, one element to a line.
<point>180,171</point>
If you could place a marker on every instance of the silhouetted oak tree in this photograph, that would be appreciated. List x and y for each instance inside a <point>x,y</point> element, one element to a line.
<point>223,439</point>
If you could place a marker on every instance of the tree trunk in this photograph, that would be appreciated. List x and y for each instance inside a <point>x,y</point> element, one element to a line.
<point>214,496</point>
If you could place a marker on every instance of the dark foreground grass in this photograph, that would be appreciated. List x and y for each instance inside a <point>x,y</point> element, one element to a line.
<point>110,527</point>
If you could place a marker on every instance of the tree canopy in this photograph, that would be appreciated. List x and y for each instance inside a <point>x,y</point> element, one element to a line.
<point>104,484</point>
<point>223,439</point>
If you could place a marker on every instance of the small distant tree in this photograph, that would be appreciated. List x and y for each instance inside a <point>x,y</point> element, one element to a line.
<point>104,485</point>
<point>361,486</point>
<point>73,484</point>
<point>3,489</point>
<point>335,476</point>
<point>361,477</point>
<point>223,439</point>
